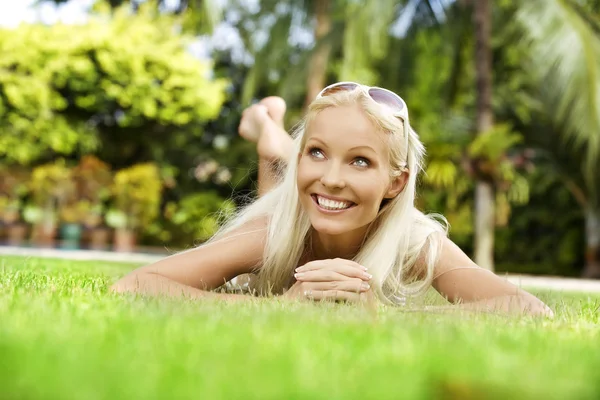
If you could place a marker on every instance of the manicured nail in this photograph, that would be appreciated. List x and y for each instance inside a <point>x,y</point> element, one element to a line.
<point>368,276</point>
<point>365,268</point>
<point>365,286</point>
<point>298,275</point>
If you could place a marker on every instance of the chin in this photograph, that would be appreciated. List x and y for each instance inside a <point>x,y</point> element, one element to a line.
<point>330,227</point>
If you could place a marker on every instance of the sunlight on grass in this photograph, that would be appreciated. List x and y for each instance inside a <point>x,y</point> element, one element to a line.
<point>62,335</point>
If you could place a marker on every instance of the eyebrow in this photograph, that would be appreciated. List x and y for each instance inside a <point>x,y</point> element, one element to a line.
<point>353,148</point>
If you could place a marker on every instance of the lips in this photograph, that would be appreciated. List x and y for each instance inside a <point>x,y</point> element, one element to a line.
<point>332,203</point>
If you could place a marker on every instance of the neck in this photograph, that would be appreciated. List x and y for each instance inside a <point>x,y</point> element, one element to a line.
<point>336,246</point>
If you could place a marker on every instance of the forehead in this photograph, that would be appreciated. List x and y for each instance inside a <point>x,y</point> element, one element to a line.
<point>348,126</point>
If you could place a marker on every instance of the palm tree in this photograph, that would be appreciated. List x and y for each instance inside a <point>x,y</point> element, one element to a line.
<point>355,32</point>
<point>564,41</point>
<point>484,191</point>
<point>317,68</point>
<point>562,38</point>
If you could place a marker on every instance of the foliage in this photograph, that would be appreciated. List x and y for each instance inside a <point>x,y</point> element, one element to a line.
<point>573,98</point>
<point>66,89</point>
<point>199,215</point>
<point>196,15</point>
<point>63,88</point>
<point>51,184</point>
<point>92,179</point>
<point>545,235</point>
<point>13,188</point>
<point>137,194</point>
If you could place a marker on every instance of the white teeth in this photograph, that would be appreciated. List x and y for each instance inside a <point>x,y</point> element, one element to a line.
<point>332,205</point>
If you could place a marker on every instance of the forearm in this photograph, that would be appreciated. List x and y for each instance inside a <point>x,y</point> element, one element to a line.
<point>514,304</point>
<point>157,285</point>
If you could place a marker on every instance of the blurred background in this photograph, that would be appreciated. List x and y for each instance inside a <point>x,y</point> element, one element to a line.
<point>118,119</point>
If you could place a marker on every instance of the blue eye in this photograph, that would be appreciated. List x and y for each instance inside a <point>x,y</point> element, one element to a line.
<point>316,152</point>
<point>361,162</point>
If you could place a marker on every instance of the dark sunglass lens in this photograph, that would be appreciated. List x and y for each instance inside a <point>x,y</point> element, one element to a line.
<point>342,87</point>
<point>388,98</point>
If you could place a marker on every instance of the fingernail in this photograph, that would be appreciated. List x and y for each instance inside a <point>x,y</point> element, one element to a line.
<point>365,286</point>
<point>369,276</point>
<point>298,275</point>
<point>365,268</point>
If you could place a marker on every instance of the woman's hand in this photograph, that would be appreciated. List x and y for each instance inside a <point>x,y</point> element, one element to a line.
<point>335,280</point>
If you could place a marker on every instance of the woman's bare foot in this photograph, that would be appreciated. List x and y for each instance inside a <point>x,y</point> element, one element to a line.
<point>263,124</point>
<point>253,119</point>
<point>276,107</point>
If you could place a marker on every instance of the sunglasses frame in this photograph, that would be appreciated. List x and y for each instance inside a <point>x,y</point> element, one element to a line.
<point>402,114</point>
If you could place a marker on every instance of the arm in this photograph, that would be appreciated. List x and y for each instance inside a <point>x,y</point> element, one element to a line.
<point>460,280</point>
<point>195,272</point>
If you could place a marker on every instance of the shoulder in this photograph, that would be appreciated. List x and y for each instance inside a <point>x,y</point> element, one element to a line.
<point>451,257</point>
<point>238,249</point>
<point>248,240</point>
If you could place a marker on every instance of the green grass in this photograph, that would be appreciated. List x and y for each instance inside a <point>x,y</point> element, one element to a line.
<point>62,336</point>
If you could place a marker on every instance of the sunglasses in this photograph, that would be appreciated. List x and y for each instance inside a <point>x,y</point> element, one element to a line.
<point>379,95</point>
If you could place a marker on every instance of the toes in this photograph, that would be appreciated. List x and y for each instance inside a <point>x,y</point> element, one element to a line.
<point>276,107</point>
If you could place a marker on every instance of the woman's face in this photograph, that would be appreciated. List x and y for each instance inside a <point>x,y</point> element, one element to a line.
<point>344,171</point>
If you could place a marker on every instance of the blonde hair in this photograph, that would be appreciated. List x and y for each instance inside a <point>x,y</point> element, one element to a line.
<point>402,244</point>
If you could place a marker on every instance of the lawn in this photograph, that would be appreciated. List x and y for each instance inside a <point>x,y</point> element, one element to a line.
<point>63,336</point>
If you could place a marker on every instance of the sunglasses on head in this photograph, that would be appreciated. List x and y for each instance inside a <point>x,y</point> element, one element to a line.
<point>379,95</point>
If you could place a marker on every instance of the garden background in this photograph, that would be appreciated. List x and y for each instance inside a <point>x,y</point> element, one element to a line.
<point>119,130</point>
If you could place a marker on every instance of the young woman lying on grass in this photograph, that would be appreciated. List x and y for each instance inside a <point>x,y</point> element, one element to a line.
<point>341,223</point>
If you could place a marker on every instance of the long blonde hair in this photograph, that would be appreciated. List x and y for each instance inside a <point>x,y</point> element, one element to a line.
<point>402,244</point>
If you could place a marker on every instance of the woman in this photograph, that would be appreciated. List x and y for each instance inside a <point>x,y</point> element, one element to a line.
<point>338,222</point>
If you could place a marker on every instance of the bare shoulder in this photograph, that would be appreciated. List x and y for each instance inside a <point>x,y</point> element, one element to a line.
<point>451,256</point>
<point>211,265</point>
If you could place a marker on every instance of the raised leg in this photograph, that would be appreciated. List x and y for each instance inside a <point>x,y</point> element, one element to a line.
<point>262,123</point>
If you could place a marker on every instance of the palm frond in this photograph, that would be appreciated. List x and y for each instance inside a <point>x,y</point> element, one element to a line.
<point>564,51</point>
<point>365,41</point>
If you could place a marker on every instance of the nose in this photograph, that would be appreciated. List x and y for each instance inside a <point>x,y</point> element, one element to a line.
<point>332,176</point>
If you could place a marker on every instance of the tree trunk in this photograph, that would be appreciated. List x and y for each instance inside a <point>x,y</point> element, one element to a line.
<point>317,68</point>
<point>592,238</point>
<point>484,193</point>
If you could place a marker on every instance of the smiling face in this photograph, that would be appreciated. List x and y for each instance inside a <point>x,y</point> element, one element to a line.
<point>344,171</point>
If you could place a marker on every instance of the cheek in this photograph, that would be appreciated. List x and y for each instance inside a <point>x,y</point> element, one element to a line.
<point>303,174</point>
<point>373,189</point>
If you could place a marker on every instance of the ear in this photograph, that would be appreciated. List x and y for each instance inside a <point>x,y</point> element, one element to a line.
<point>397,185</point>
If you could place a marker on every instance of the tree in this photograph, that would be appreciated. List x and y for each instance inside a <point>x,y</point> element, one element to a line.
<point>484,191</point>
<point>564,44</point>
<point>127,83</point>
<point>320,57</point>
<point>198,16</point>
<point>344,43</point>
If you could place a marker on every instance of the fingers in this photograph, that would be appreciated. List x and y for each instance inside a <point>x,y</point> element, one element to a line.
<point>348,290</point>
<point>338,279</point>
<point>334,295</point>
<point>318,264</point>
<point>331,270</point>
<point>335,274</point>
<point>351,285</point>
